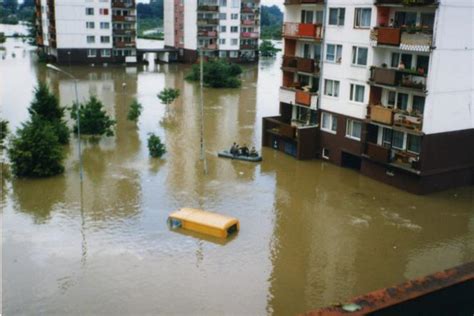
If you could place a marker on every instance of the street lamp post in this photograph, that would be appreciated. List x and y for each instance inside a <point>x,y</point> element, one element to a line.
<point>50,66</point>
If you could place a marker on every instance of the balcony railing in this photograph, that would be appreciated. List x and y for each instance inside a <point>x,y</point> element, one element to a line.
<point>249,46</point>
<point>124,32</point>
<point>211,8</point>
<point>207,33</point>
<point>120,44</point>
<point>249,22</point>
<point>307,65</point>
<point>377,153</point>
<point>249,34</point>
<point>209,46</point>
<point>408,120</point>
<point>381,114</point>
<point>276,126</point>
<point>296,96</point>
<point>399,77</point>
<point>208,21</point>
<point>303,30</point>
<point>406,2</point>
<point>124,18</point>
<point>123,4</point>
<point>409,38</point>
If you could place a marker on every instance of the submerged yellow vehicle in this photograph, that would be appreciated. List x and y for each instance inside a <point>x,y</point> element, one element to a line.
<point>205,222</point>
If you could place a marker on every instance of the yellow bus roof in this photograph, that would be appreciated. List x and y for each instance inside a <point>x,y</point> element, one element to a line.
<point>204,218</point>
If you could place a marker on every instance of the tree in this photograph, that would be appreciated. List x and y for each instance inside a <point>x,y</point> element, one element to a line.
<point>134,111</point>
<point>168,95</point>
<point>35,150</point>
<point>3,132</point>
<point>267,49</point>
<point>217,73</point>
<point>94,120</point>
<point>155,146</point>
<point>45,105</point>
<point>271,21</point>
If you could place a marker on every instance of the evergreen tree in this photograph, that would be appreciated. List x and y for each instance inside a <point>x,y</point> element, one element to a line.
<point>35,150</point>
<point>155,146</point>
<point>94,119</point>
<point>45,105</point>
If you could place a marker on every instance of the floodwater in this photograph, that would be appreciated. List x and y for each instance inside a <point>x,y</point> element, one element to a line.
<point>312,233</point>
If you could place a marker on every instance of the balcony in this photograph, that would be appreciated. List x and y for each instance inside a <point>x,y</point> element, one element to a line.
<point>290,63</point>
<point>381,114</point>
<point>208,8</point>
<point>303,30</point>
<point>406,38</point>
<point>249,46</point>
<point>275,125</point>
<point>399,77</point>
<point>377,153</point>
<point>408,121</point>
<point>208,22</point>
<point>207,33</point>
<point>300,64</point>
<point>209,46</point>
<point>124,18</point>
<point>296,96</point>
<point>249,34</point>
<point>121,44</point>
<point>246,9</point>
<point>406,2</point>
<point>123,4</point>
<point>249,22</point>
<point>129,32</point>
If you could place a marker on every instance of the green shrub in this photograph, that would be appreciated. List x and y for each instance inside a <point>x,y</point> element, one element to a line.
<point>155,146</point>
<point>35,150</point>
<point>217,73</point>
<point>94,119</point>
<point>168,95</point>
<point>3,132</point>
<point>134,111</point>
<point>267,49</point>
<point>45,105</point>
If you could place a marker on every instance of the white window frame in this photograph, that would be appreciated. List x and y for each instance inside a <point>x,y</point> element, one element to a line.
<point>234,42</point>
<point>350,129</point>
<point>90,37</point>
<point>103,37</point>
<point>337,52</point>
<point>352,92</point>
<point>333,93</point>
<point>236,28</point>
<point>106,53</point>
<point>338,16</point>
<point>355,56</point>
<point>323,154</point>
<point>332,118</point>
<point>90,25</point>
<point>91,10</point>
<point>358,18</point>
<point>90,51</point>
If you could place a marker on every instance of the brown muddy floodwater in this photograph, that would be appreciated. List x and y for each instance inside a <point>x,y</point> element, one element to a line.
<point>312,233</point>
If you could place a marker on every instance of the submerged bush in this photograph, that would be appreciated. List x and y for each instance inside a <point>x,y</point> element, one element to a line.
<point>217,73</point>
<point>155,146</point>
<point>168,95</point>
<point>94,120</point>
<point>134,111</point>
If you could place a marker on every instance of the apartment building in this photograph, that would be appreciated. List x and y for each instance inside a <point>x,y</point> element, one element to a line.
<point>220,28</point>
<point>382,86</point>
<point>87,31</point>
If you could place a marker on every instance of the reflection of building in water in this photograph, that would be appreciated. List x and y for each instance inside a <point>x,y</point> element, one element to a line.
<point>329,246</point>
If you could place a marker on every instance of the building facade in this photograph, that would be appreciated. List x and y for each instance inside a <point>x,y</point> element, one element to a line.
<point>81,31</point>
<point>220,28</point>
<point>382,86</point>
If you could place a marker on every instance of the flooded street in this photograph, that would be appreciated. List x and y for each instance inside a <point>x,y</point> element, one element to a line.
<point>312,234</point>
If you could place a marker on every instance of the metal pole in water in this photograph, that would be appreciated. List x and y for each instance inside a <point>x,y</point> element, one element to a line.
<point>201,83</point>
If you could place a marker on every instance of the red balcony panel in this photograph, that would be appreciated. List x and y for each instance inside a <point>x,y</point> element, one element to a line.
<point>303,97</point>
<point>389,36</point>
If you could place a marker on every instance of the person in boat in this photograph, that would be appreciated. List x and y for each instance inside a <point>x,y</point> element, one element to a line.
<point>244,150</point>
<point>253,152</point>
<point>233,149</point>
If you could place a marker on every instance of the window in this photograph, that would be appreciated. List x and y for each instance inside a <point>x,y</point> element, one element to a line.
<point>222,41</point>
<point>306,17</point>
<point>91,53</point>
<point>362,17</point>
<point>234,42</point>
<point>325,153</point>
<point>386,137</point>
<point>357,93</point>
<point>234,29</point>
<point>104,25</point>
<point>331,88</point>
<point>392,95</point>
<point>105,53</point>
<point>105,39</point>
<point>104,11</point>
<point>406,61</point>
<point>234,16</point>
<point>402,101</point>
<point>422,62</point>
<point>427,20</point>
<point>334,53</point>
<point>359,55</point>
<point>223,3</point>
<point>235,3</point>
<point>395,60</point>
<point>89,11</point>
<point>413,143</point>
<point>405,19</point>
<point>336,16</point>
<point>318,17</point>
<point>90,39</point>
<point>223,29</point>
<point>397,139</point>
<point>222,16</point>
<point>328,122</point>
<point>418,104</point>
<point>353,129</point>
<point>233,54</point>
<point>90,25</point>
